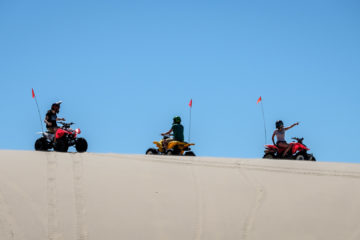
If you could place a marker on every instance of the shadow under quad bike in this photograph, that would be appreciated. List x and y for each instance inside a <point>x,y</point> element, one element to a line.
<point>65,138</point>
<point>173,148</point>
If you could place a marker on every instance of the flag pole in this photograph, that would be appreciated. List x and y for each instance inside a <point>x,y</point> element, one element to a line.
<point>190,125</point>
<point>37,105</point>
<point>190,104</point>
<point>262,109</point>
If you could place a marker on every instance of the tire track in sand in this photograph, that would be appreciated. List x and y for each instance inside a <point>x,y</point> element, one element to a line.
<point>53,222</point>
<point>78,171</point>
<point>200,206</point>
<point>259,200</point>
<point>6,220</point>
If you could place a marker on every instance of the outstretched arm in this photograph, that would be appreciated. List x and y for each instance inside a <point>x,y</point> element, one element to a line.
<point>295,124</point>
<point>60,119</point>
<point>167,133</point>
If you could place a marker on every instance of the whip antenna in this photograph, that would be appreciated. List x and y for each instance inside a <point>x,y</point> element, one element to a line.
<point>262,110</point>
<point>37,105</point>
<point>190,105</point>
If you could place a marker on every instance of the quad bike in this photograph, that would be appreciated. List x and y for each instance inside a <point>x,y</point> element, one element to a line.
<point>65,138</point>
<point>173,148</point>
<point>298,151</point>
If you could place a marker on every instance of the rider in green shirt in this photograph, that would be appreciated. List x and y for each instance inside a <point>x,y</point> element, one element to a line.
<point>178,132</point>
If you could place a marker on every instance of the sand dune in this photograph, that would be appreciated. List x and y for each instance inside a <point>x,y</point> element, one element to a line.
<point>70,196</point>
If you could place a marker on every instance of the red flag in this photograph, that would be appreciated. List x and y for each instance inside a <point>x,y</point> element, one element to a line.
<point>190,103</point>
<point>259,100</point>
<point>33,93</point>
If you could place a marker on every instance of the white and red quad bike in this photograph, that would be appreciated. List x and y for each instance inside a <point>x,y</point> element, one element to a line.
<point>65,138</point>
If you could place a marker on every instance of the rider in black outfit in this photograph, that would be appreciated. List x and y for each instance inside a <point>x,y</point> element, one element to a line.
<point>51,118</point>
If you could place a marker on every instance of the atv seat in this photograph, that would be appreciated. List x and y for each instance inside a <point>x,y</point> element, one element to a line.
<point>275,148</point>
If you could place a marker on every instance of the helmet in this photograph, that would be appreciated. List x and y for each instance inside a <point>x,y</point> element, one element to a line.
<point>177,119</point>
<point>279,124</point>
<point>56,106</point>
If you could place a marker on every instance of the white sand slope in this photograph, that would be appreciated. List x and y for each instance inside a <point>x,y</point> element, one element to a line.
<point>69,196</point>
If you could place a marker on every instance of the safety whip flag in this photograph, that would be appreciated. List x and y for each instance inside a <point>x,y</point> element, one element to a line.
<point>37,105</point>
<point>259,100</point>
<point>190,105</point>
<point>263,114</point>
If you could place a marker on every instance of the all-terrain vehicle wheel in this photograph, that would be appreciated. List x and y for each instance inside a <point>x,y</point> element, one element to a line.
<point>170,152</point>
<point>269,156</point>
<point>61,145</point>
<point>81,145</point>
<point>311,158</point>
<point>151,151</point>
<point>41,144</point>
<point>190,154</point>
<point>301,156</point>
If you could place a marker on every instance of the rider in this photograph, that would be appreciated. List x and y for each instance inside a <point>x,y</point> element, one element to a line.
<point>280,136</point>
<point>51,117</point>
<point>178,132</point>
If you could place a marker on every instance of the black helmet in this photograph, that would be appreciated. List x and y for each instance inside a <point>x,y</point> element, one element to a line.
<point>177,119</point>
<point>56,106</point>
<point>279,124</point>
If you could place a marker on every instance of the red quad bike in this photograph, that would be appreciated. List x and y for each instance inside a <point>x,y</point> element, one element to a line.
<point>298,151</point>
<point>65,138</point>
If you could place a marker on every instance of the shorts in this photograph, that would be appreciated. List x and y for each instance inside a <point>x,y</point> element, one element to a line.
<point>52,129</point>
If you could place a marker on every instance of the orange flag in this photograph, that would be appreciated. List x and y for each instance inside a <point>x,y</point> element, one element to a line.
<point>259,100</point>
<point>33,93</point>
<point>190,103</point>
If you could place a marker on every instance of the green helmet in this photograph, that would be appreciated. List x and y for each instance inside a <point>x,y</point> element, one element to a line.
<point>177,119</point>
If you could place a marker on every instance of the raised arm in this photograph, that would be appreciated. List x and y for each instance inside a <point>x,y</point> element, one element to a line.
<point>295,124</point>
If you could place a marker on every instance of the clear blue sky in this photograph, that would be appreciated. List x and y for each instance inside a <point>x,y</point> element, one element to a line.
<point>125,68</point>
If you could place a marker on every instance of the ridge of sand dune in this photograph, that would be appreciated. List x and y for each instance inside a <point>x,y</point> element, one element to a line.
<point>48,195</point>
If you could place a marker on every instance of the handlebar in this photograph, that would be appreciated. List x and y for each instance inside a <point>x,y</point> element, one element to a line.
<point>299,140</point>
<point>166,136</point>
<point>66,125</point>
